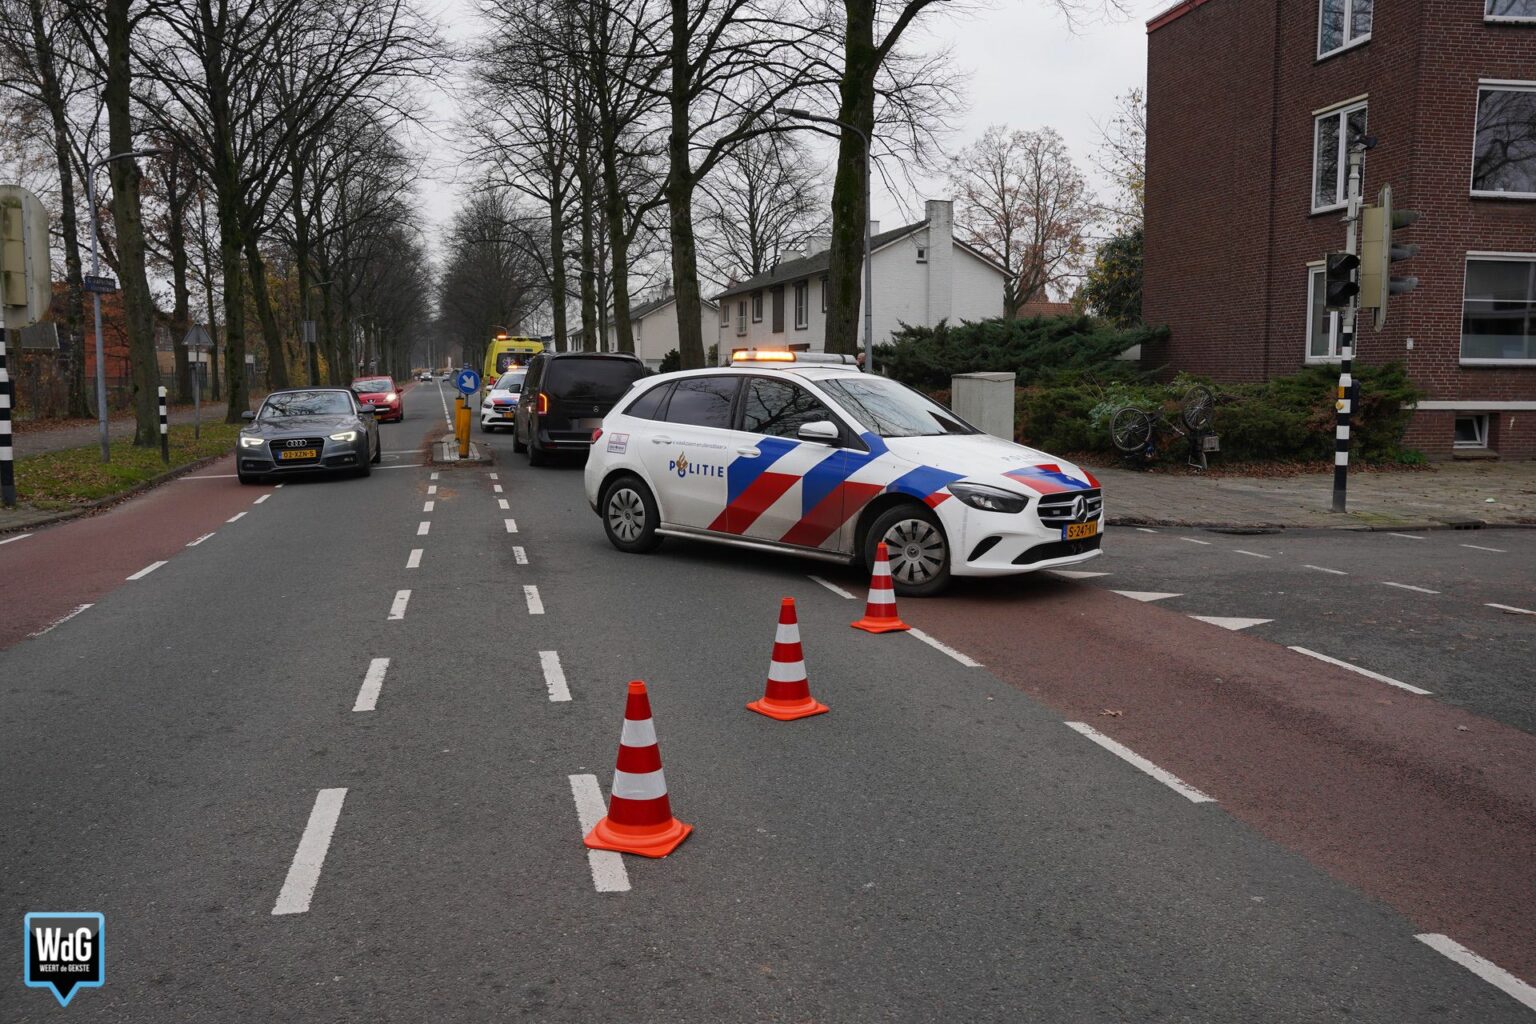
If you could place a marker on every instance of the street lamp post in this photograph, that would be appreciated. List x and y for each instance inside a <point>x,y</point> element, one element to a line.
<point>313,344</point>
<point>869,160</point>
<point>101,359</point>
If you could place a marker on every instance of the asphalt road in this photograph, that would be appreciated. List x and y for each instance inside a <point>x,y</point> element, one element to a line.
<point>940,847</point>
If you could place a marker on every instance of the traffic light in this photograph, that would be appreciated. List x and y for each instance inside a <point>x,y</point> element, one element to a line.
<point>1379,250</point>
<point>1341,284</point>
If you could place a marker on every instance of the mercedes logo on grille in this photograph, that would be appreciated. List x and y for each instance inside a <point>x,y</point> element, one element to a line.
<point>1079,509</point>
<point>298,443</point>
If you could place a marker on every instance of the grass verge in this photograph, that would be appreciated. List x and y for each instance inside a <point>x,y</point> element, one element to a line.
<point>76,476</point>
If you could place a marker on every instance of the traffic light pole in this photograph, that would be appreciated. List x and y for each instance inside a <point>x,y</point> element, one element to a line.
<point>1344,403</point>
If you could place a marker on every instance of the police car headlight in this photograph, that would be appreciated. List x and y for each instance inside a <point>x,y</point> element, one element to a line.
<point>246,441</point>
<point>989,499</point>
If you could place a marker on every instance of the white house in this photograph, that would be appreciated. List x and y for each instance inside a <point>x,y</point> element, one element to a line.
<point>921,275</point>
<point>654,325</point>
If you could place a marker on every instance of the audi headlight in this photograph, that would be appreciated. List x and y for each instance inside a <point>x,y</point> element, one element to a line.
<point>246,441</point>
<point>345,435</point>
<point>989,499</point>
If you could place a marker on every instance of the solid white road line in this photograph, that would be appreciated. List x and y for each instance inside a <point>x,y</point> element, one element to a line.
<point>608,872</point>
<point>502,504</point>
<point>496,488</point>
<point>1406,536</point>
<point>444,399</point>
<point>237,515</point>
<point>422,528</point>
<point>1130,756</point>
<point>59,621</point>
<point>520,555</point>
<point>554,676</point>
<point>397,607</point>
<point>939,645</point>
<point>309,858</point>
<point>1362,671</point>
<point>1319,568</point>
<point>277,487</point>
<point>414,561</point>
<point>1490,972</point>
<point>1075,574</point>
<point>1509,608</point>
<point>1230,622</point>
<point>839,591</point>
<point>373,681</point>
<point>1144,529</point>
<point>535,603</point>
<point>1145,595</point>
<point>428,506</point>
<point>19,536</point>
<point>151,567</point>
<point>195,543</point>
<point>1479,547</point>
<point>261,499</point>
<point>1250,554</point>
<point>1191,540</point>
<point>1409,586</point>
<point>511,525</point>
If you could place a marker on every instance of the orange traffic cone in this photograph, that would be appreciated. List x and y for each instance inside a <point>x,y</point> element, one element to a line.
<point>880,611</point>
<point>788,695</point>
<point>639,818</point>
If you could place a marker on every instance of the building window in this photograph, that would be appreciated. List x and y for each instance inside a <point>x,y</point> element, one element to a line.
<point>725,313</point>
<point>1343,23</point>
<point>922,255</point>
<point>757,307</point>
<point>1471,431</point>
<point>741,317</point>
<point>1322,323</point>
<point>1498,316</point>
<point>802,305</point>
<point>1330,155</point>
<point>1504,153</point>
<point>1510,10</point>
<point>823,293</point>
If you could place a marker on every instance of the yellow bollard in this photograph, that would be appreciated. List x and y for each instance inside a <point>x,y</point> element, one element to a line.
<point>461,427</point>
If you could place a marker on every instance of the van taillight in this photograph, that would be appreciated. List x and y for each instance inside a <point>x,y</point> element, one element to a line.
<point>543,402</point>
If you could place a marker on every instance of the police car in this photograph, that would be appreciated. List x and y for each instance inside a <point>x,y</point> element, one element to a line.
<point>788,452</point>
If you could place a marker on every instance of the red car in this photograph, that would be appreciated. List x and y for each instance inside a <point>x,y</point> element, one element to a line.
<point>380,392</point>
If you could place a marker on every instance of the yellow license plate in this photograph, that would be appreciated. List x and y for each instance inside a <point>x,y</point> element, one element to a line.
<point>301,453</point>
<point>1079,531</point>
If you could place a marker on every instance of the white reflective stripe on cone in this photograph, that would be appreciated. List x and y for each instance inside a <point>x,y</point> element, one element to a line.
<point>786,671</point>
<point>638,734</point>
<point>648,786</point>
<point>877,596</point>
<point>789,633</point>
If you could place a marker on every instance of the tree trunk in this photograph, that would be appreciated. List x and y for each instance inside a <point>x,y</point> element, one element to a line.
<point>176,241</point>
<point>680,184</point>
<point>277,356</point>
<point>618,247</point>
<point>74,300</point>
<point>557,266</point>
<point>237,387</point>
<point>850,196</point>
<point>589,325</point>
<point>127,217</point>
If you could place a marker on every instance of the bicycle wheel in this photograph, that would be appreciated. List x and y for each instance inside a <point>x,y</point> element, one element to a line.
<point>1199,408</point>
<point>1131,430</point>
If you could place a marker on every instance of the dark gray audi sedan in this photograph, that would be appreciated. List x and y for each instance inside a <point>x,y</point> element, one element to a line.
<point>304,430</point>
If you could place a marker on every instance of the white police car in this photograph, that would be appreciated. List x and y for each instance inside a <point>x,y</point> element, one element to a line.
<point>499,407</point>
<point>780,453</point>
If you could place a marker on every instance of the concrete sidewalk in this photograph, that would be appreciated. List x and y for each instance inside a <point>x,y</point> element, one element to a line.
<point>1450,494</point>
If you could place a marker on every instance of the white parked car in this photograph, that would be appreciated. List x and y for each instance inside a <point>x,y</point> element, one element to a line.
<point>822,460</point>
<point>499,406</point>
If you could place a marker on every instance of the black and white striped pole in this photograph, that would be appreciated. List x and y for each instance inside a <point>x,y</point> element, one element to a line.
<point>165,431</point>
<point>1344,404</point>
<point>7,453</point>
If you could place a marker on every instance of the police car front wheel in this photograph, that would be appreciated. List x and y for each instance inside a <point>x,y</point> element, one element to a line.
<point>629,516</point>
<point>916,546</point>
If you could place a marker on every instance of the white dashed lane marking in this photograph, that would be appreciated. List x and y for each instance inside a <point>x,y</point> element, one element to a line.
<point>309,858</point>
<point>495,476</point>
<point>1144,529</point>
<point>1250,554</point>
<point>1489,971</point>
<point>428,506</point>
<point>373,682</point>
<point>1362,671</point>
<point>1479,547</point>
<point>397,607</point>
<point>535,603</point>
<point>554,676</point>
<point>1409,586</point>
<point>1510,608</point>
<point>432,489</point>
<point>59,621</point>
<point>1191,540</point>
<point>237,515</point>
<point>496,488</point>
<point>1145,595</point>
<point>12,540</point>
<point>195,543</point>
<point>520,555</point>
<point>151,567</point>
<point>414,561</point>
<point>511,525</point>
<point>261,499</point>
<point>608,872</point>
<point>1075,574</point>
<point>1130,757</point>
<point>1319,568</point>
<point>502,504</point>
<point>1407,536</point>
<point>1230,622</point>
<point>422,528</point>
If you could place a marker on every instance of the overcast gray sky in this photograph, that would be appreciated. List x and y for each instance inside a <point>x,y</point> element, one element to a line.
<point>1026,67</point>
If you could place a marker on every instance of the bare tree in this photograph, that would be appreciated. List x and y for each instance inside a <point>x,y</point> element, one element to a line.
<point>763,199</point>
<point>1021,201</point>
<point>1122,158</point>
<point>488,277</point>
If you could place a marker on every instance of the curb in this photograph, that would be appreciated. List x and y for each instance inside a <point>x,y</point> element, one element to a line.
<point>120,496</point>
<point>1459,524</point>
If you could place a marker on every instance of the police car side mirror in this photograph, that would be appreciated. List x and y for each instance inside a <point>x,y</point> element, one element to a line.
<point>820,431</point>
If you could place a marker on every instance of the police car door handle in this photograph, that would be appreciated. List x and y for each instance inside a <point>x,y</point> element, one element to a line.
<point>661,440</point>
<point>750,453</point>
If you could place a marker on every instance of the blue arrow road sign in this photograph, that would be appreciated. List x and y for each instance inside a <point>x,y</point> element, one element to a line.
<point>468,381</point>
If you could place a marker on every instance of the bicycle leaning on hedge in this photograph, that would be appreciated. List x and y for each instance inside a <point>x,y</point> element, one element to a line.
<point>1135,432</point>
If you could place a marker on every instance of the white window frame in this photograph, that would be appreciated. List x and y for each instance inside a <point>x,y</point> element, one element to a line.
<point>1511,257</point>
<point>1479,427</point>
<point>1339,112</point>
<point>741,317</point>
<point>824,293</point>
<point>1493,85</point>
<point>725,314</point>
<point>1511,18</point>
<point>757,306</point>
<point>1317,276</point>
<point>1349,43</point>
<point>802,305</point>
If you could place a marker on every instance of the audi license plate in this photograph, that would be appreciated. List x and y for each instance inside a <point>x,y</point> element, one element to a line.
<point>298,453</point>
<point>1080,531</point>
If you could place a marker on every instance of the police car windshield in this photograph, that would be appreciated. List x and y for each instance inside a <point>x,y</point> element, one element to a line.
<point>891,409</point>
<point>512,382</point>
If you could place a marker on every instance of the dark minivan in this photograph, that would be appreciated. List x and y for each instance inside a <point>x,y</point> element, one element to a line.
<point>565,397</point>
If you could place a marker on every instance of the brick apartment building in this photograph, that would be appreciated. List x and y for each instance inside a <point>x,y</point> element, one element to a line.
<point>1249,104</point>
